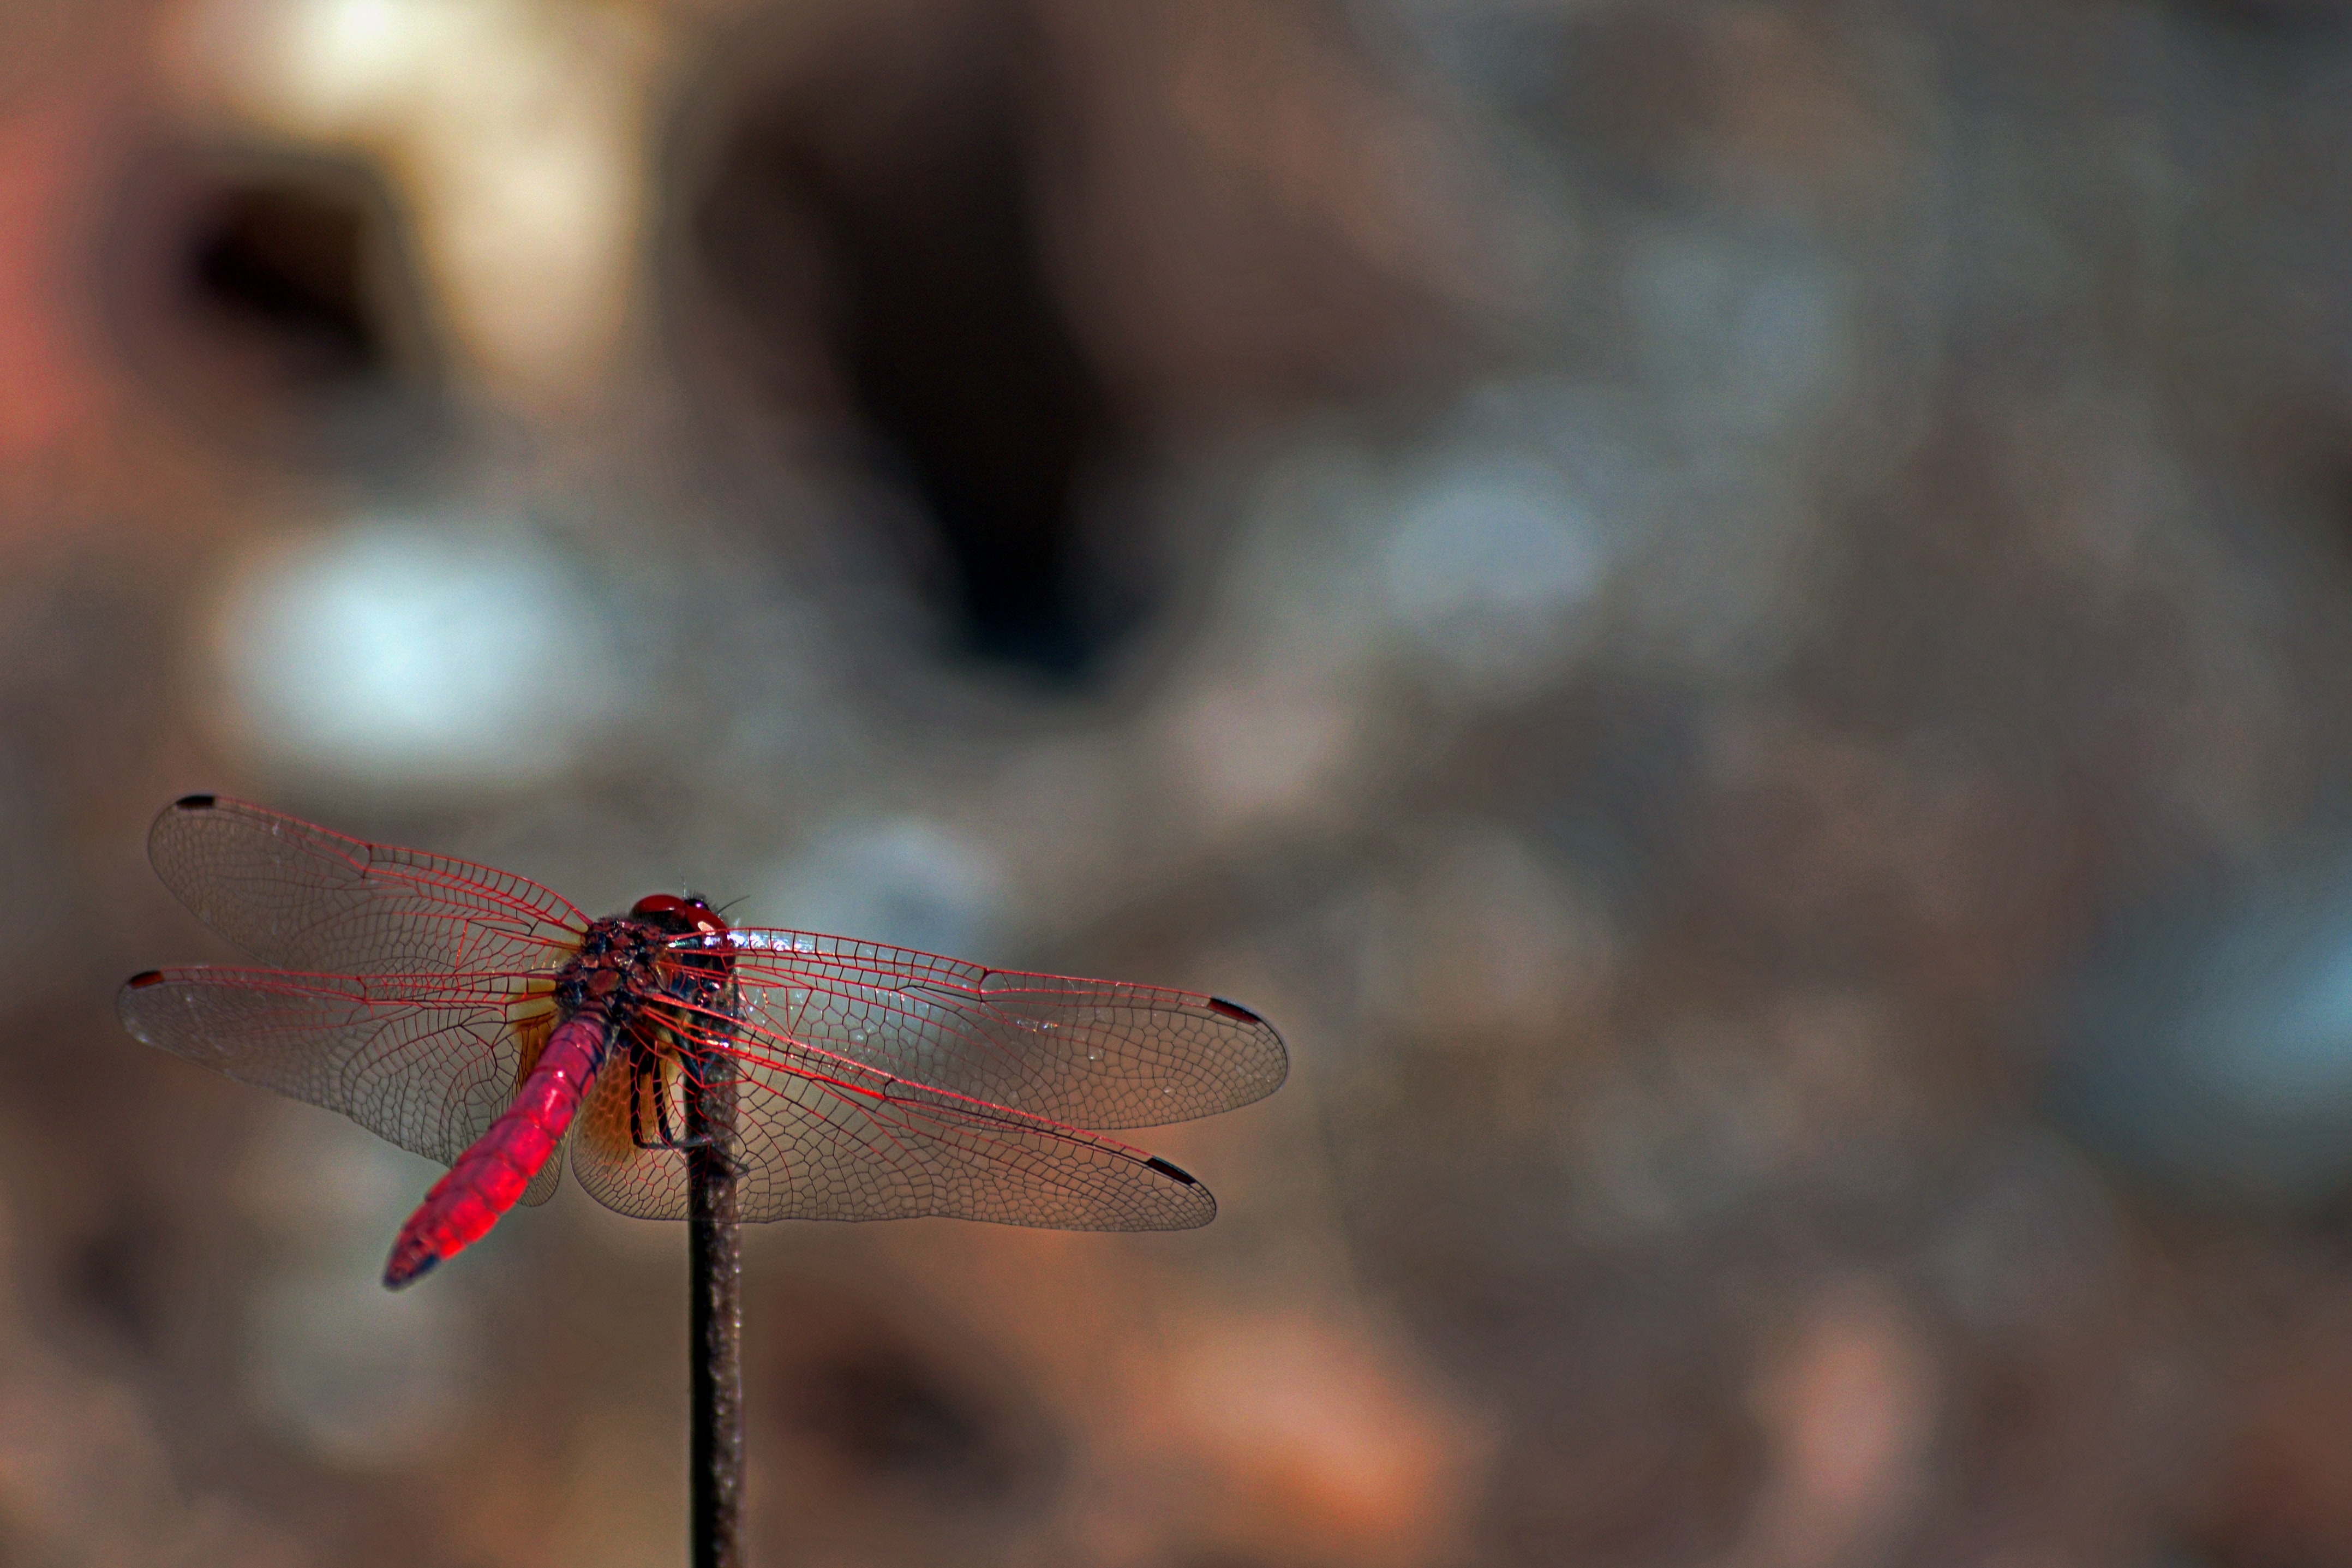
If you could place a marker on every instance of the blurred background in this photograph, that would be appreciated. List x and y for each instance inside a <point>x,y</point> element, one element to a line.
<point>1737,615</point>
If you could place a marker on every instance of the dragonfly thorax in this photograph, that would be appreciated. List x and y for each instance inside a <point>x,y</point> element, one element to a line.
<point>627,962</point>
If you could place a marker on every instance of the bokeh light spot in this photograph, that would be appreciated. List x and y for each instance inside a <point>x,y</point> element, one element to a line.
<point>414,652</point>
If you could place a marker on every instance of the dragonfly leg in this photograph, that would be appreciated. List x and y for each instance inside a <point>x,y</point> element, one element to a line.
<point>636,1132</point>
<point>661,1110</point>
<point>645,1068</point>
<point>646,1082</point>
<point>701,1064</point>
<point>670,1140</point>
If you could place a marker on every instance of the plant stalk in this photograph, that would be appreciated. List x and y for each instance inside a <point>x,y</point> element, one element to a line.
<point>715,1316</point>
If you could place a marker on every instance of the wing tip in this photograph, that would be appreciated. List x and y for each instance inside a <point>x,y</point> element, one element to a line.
<point>1167,1169</point>
<point>195,803</point>
<point>1198,1205</point>
<point>130,1010</point>
<point>1232,1009</point>
<point>1279,1073</point>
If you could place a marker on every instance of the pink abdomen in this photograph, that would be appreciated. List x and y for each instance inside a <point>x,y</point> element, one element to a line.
<point>491,1175</point>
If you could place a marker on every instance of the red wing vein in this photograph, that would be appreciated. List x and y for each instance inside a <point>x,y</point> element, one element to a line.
<point>303,898</point>
<point>826,1137</point>
<point>427,1071</point>
<point>1087,1053</point>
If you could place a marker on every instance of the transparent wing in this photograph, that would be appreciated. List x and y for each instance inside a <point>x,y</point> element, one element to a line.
<point>424,1065</point>
<point>1083,1053</point>
<point>299,897</point>
<point>820,1136</point>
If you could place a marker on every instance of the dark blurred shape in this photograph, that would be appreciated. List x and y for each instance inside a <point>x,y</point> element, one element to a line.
<point>285,264</point>
<point>117,1279</point>
<point>894,1421</point>
<point>1640,91</point>
<point>963,375</point>
<point>271,302</point>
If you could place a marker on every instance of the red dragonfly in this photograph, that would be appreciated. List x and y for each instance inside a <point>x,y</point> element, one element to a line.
<point>476,1018</point>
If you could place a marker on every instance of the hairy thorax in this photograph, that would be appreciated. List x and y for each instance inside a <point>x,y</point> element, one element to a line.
<point>627,965</point>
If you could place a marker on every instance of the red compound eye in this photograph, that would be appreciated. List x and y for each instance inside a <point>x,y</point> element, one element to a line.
<point>671,913</point>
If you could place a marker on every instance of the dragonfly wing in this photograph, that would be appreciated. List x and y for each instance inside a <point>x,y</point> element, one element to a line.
<point>299,897</point>
<point>426,1069</point>
<point>819,1137</point>
<point>1084,1053</point>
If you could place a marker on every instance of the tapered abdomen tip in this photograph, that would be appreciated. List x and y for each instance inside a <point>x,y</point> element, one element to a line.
<point>411,1260</point>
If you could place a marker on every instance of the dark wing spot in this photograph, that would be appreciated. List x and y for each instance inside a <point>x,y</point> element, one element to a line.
<point>1165,1168</point>
<point>144,978</point>
<point>194,802</point>
<point>1233,1010</point>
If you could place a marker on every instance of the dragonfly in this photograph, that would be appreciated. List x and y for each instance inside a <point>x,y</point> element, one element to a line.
<point>475,1017</point>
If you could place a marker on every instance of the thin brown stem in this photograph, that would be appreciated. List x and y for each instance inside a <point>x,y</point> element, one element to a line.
<point>715,1316</point>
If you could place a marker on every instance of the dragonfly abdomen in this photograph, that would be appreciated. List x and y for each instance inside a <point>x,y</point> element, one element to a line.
<point>489,1176</point>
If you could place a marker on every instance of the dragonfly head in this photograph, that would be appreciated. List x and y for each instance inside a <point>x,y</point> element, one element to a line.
<point>680,917</point>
